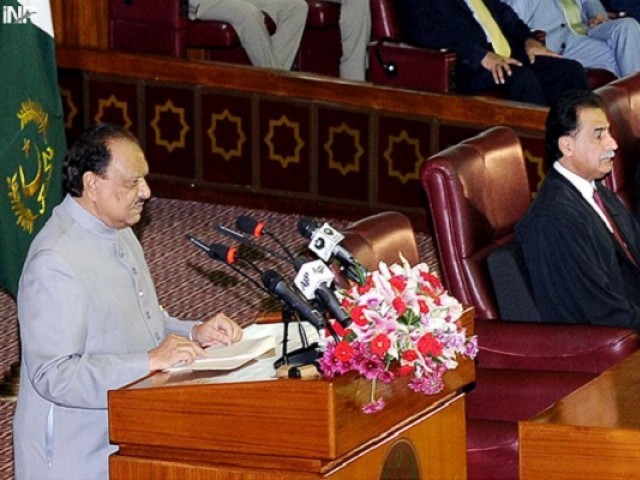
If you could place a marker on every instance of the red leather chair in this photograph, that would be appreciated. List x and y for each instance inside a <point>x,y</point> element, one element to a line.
<point>321,45</point>
<point>622,103</point>
<point>163,28</point>
<point>379,238</point>
<point>395,63</point>
<point>477,191</point>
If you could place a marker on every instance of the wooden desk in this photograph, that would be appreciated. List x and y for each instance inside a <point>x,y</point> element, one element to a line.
<point>593,433</point>
<point>185,427</point>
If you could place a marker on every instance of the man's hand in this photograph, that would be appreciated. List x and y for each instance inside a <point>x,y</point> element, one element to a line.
<point>219,329</point>
<point>173,350</point>
<point>597,20</point>
<point>499,66</point>
<point>534,48</point>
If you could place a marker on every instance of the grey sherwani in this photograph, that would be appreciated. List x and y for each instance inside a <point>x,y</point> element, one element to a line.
<point>88,314</point>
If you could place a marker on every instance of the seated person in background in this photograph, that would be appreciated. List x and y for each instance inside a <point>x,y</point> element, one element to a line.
<point>581,30</point>
<point>630,7</point>
<point>581,245</point>
<point>89,315</point>
<point>495,48</point>
<point>355,29</point>
<point>247,18</point>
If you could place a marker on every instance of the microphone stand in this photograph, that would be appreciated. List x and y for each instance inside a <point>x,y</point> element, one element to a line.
<point>305,355</point>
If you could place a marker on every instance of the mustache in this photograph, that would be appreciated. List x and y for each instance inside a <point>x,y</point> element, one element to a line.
<point>608,154</point>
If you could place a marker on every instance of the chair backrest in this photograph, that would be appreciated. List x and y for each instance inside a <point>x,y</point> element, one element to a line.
<point>148,26</point>
<point>477,190</point>
<point>511,284</point>
<point>384,21</point>
<point>622,102</point>
<point>381,238</point>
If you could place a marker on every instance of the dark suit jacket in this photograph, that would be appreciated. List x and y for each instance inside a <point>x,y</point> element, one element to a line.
<point>578,272</point>
<point>451,24</point>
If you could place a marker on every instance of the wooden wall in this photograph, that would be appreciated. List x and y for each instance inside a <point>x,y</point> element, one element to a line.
<point>281,140</point>
<point>81,23</point>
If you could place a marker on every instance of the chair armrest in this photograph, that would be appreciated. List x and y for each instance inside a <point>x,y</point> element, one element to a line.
<point>416,68</point>
<point>511,395</point>
<point>552,347</point>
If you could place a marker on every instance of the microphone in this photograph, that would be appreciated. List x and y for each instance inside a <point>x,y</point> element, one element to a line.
<point>228,256</point>
<point>275,287</point>
<point>215,250</point>
<point>242,238</point>
<point>275,284</point>
<point>325,242</point>
<point>314,280</point>
<point>249,225</point>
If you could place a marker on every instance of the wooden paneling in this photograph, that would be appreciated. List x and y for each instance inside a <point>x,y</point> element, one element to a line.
<point>81,23</point>
<point>282,140</point>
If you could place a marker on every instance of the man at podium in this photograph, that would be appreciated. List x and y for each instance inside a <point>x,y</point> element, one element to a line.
<point>89,314</point>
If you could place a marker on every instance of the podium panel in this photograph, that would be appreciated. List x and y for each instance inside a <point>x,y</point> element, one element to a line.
<point>431,447</point>
<point>183,426</point>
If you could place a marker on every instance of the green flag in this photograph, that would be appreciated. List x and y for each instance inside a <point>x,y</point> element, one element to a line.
<point>32,142</point>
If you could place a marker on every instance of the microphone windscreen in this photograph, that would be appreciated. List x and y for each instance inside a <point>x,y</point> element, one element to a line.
<point>306,227</point>
<point>299,262</point>
<point>250,225</point>
<point>270,279</point>
<point>223,253</point>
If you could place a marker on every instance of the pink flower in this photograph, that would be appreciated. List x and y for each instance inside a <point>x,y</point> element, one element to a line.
<point>394,332</point>
<point>357,315</point>
<point>405,370</point>
<point>424,307</point>
<point>380,344</point>
<point>429,345</point>
<point>399,305</point>
<point>343,351</point>
<point>374,406</point>
<point>368,284</point>
<point>398,283</point>
<point>409,356</point>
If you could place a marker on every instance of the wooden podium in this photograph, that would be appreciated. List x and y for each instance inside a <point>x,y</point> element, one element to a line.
<point>171,426</point>
<point>592,433</point>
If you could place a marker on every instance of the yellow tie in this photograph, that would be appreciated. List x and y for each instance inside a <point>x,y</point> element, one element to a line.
<point>573,16</point>
<point>498,40</point>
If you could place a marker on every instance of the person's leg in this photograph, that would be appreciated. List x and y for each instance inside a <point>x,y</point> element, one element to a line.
<point>591,53</point>
<point>521,86</point>
<point>355,29</point>
<point>248,22</point>
<point>622,36</point>
<point>290,17</point>
<point>558,75</point>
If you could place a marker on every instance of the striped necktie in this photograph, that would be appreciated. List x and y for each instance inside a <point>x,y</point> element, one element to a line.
<point>498,40</point>
<point>614,228</point>
<point>573,16</point>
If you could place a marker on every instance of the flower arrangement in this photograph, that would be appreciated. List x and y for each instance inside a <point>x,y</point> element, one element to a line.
<point>404,323</point>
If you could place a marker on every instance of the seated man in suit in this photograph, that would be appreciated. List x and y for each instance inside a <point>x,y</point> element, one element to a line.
<point>495,48</point>
<point>581,30</point>
<point>581,245</point>
<point>246,16</point>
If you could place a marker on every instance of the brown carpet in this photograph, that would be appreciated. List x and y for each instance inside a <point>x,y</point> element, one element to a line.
<point>189,284</point>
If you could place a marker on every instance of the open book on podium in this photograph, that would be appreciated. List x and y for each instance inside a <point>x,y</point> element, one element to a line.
<point>241,424</point>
